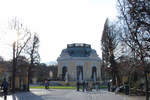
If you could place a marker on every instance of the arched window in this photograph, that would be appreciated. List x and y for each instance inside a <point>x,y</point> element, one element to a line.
<point>79,73</point>
<point>94,72</point>
<point>64,70</point>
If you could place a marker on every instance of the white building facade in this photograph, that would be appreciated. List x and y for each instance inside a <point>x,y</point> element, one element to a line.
<point>79,62</point>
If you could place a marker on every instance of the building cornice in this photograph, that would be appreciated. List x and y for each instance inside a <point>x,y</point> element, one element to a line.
<point>78,58</point>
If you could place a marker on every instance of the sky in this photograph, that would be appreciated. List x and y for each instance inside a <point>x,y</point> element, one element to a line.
<point>58,23</point>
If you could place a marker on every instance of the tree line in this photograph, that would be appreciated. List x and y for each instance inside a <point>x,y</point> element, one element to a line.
<point>126,43</point>
<point>25,52</point>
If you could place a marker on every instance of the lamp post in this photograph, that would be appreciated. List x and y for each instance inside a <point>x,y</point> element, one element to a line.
<point>14,40</point>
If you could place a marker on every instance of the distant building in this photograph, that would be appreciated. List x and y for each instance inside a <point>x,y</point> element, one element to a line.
<point>79,62</point>
<point>21,78</point>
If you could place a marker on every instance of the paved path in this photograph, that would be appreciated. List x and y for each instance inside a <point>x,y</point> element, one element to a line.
<point>52,94</point>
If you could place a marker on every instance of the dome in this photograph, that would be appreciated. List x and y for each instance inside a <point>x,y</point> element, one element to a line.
<point>79,50</point>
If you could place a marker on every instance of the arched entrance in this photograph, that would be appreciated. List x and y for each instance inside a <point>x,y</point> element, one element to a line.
<point>64,71</point>
<point>79,73</point>
<point>94,73</point>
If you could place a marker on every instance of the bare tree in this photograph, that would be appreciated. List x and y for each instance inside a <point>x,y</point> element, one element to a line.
<point>32,51</point>
<point>135,16</point>
<point>109,44</point>
<point>128,66</point>
<point>23,37</point>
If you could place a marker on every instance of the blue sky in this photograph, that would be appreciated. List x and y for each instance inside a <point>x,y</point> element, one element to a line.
<point>59,22</point>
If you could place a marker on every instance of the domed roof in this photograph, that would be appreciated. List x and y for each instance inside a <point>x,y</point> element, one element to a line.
<point>78,50</point>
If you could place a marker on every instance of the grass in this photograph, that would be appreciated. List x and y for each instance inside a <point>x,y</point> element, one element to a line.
<point>53,87</point>
<point>103,87</point>
<point>60,87</point>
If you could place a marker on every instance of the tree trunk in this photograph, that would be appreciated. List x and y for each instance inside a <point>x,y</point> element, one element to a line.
<point>146,78</point>
<point>113,78</point>
<point>29,74</point>
<point>118,78</point>
<point>146,85</point>
<point>28,85</point>
<point>13,75</point>
<point>14,68</point>
<point>129,79</point>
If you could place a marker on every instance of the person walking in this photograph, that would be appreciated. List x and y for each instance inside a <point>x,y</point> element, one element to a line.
<point>4,87</point>
<point>46,84</point>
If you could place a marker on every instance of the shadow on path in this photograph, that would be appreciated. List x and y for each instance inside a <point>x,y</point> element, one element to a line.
<point>26,96</point>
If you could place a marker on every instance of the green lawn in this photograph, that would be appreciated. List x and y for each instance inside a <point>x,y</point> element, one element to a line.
<point>53,87</point>
<point>103,87</point>
<point>59,87</point>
